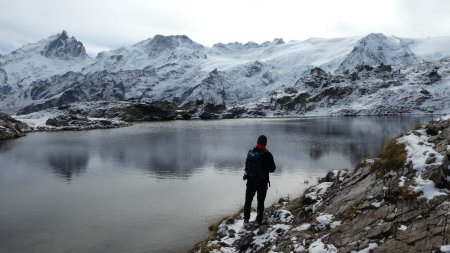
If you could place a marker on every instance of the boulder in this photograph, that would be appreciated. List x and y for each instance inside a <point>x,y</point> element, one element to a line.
<point>11,128</point>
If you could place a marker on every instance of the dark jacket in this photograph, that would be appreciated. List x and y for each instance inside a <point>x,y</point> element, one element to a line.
<point>268,166</point>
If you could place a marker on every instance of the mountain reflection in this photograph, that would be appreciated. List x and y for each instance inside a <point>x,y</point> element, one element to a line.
<point>181,149</point>
<point>68,163</point>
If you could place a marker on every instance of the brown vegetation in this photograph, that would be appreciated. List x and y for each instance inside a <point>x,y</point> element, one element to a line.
<point>392,157</point>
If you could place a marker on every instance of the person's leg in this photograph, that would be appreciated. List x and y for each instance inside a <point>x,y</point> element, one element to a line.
<point>262,191</point>
<point>249,194</point>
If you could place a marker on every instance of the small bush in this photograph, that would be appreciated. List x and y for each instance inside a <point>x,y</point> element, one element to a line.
<point>408,194</point>
<point>351,211</point>
<point>417,125</point>
<point>392,157</point>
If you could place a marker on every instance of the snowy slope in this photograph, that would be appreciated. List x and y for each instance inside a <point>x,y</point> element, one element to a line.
<point>57,71</point>
<point>430,48</point>
<point>55,55</point>
<point>376,49</point>
<point>156,52</point>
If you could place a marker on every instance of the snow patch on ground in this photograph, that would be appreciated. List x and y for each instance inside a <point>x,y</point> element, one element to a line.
<point>231,233</point>
<point>401,182</point>
<point>377,204</point>
<point>335,224</point>
<point>282,216</point>
<point>419,150</point>
<point>298,247</point>
<point>38,119</point>
<point>319,190</point>
<point>302,227</point>
<point>271,234</point>
<point>319,247</point>
<point>323,220</point>
<point>445,248</point>
<point>369,248</point>
<point>428,188</point>
<point>402,228</point>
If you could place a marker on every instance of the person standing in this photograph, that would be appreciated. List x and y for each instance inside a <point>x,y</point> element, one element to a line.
<point>258,165</point>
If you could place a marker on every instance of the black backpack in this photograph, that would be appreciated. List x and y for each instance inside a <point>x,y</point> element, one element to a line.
<point>254,167</point>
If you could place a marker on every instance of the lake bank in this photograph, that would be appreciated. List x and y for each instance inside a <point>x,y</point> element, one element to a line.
<point>396,202</point>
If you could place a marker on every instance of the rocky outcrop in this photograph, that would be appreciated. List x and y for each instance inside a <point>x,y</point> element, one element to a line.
<point>64,47</point>
<point>398,202</point>
<point>11,128</point>
<point>76,122</point>
<point>352,92</point>
<point>150,111</point>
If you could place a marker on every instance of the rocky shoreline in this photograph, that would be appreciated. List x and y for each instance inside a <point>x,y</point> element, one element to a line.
<point>115,114</point>
<point>397,202</point>
<point>12,128</point>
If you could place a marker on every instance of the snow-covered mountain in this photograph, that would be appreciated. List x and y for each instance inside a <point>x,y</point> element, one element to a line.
<point>156,52</point>
<point>57,71</point>
<point>376,49</point>
<point>57,54</point>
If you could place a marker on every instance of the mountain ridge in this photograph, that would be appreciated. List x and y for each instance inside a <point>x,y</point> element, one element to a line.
<point>174,68</point>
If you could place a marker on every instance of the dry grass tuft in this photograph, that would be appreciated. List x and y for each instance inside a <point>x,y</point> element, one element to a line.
<point>392,157</point>
<point>417,125</point>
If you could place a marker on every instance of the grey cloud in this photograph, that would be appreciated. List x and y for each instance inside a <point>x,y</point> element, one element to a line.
<point>111,24</point>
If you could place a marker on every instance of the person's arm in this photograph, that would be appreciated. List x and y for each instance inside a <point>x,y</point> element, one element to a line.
<point>245,169</point>
<point>271,162</point>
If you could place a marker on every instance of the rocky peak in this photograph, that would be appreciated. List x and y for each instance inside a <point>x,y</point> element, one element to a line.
<point>278,41</point>
<point>248,45</point>
<point>160,43</point>
<point>376,49</point>
<point>64,47</point>
<point>275,42</point>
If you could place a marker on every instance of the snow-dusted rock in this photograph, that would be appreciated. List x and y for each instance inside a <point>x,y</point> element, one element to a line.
<point>11,128</point>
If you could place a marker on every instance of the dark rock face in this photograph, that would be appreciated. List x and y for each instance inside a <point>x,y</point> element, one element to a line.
<point>291,102</point>
<point>434,76</point>
<point>5,89</point>
<point>332,92</point>
<point>253,69</point>
<point>316,78</point>
<point>382,67</point>
<point>154,111</point>
<point>11,128</point>
<point>212,111</point>
<point>65,48</point>
<point>440,136</point>
<point>210,90</point>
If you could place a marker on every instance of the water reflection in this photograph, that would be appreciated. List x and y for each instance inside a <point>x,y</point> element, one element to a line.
<point>181,149</point>
<point>69,163</point>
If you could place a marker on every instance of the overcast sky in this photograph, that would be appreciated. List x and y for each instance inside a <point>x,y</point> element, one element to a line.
<point>109,24</point>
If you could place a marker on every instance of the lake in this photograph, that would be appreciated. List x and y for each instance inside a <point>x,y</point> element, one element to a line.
<point>156,187</point>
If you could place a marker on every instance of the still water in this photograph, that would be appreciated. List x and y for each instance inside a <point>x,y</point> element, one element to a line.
<point>156,187</point>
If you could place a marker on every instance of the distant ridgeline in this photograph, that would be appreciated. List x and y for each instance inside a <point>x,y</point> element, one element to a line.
<point>372,75</point>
